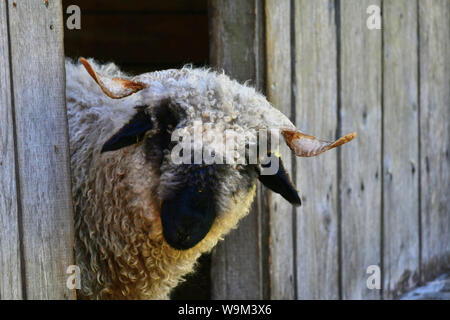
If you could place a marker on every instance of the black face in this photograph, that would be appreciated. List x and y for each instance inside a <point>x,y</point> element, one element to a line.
<point>189,210</point>
<point>188,216</point>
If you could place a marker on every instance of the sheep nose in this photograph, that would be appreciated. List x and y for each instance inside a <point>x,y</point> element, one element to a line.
<point>183,236</point>
<point>187,217</point>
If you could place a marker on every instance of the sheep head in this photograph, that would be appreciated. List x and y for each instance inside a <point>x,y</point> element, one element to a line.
<point>185,119</point>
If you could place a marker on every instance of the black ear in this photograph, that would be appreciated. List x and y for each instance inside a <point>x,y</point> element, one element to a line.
<point>132,132</point>
<point>189,214</point>
<point>281,183</point>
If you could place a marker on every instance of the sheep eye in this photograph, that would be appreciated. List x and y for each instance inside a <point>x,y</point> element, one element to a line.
<point>132,132</point>
<point>166,118</point>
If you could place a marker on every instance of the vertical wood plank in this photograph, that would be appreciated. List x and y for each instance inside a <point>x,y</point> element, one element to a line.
<point>316,113</point>
<point>278,46</point>
<point>360,111</point>
<point>10,275</point>
<point>36,32</point>
<point>237,268</point>
<point>400,147</point>
<point>434,26</point>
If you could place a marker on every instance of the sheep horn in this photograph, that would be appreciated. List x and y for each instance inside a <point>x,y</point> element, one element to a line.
<point>305,145</point>
<point>114,88</point>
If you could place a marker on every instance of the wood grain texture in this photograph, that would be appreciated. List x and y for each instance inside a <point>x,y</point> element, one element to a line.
<point>400,147</point>
<point>237,263</point>
<point>278,46</point>
<point>36,33</point>
<point>360,111</point>
<point>316,114</point>
<point>434,26</point>
<point>10,274</point>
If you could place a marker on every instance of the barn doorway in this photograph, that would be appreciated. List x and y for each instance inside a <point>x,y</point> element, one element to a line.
<point>143,36</point>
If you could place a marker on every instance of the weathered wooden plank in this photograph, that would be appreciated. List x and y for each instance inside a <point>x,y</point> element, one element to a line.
<point>434,26</point>
<point>316,113</point>
<point>237,264</point>
<point>278,46</point>
<point>36,33</point>
<point>400,147</point>
<point>10,274</point>
<point>360,111</point>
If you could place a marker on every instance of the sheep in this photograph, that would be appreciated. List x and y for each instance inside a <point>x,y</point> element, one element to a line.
<point>141,220</point>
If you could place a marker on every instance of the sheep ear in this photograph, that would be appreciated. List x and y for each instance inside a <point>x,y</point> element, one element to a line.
<point>114,88</point>
<point>281,183</point>
<point>132,132</point>
<point>308,146</point>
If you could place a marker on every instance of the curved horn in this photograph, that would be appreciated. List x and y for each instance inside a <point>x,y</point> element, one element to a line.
<point>308,146</point>
<point>114,88</point>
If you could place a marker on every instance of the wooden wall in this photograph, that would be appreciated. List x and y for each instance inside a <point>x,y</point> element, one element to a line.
<point>36,222</point>
<point>381,200</point>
